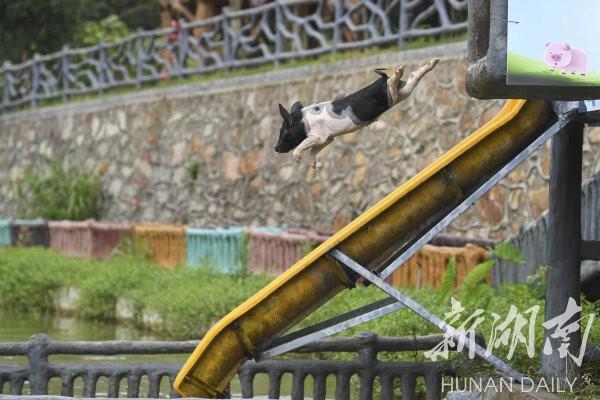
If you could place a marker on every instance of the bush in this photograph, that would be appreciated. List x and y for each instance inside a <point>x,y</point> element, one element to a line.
<point>72,193</point>
<point>189,300</point>
<point>109,29</point>
<point>30,277</point>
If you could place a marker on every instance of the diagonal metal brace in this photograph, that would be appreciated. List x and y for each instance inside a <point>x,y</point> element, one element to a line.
<point>461,337</point>
<point>329,327</point>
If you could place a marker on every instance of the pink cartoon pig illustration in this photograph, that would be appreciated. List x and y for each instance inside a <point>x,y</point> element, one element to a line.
<point>565,58</point>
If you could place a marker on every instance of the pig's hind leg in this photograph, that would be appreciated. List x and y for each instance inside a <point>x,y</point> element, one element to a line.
<point>415,78</point>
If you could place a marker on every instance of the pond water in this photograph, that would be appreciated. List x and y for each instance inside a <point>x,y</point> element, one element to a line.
<point>19,327</point>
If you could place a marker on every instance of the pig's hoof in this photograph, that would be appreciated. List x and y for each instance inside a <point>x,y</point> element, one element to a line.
<point>433,62</point>
<point>297,156</point>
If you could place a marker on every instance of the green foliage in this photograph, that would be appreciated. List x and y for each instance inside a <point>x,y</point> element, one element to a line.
<point>134,13</point>
<point>473,289</point>
<point>193,167</point>
<point>111,280</point>
<point>192,300</point>
<point>189,299</point>
<point>478,274</point>
<point>70,192</point>
<point>537,282</point>
<point>30,26</point>
<point>109,29</point>
<point>508,252</point>
<point>31,276</point>
<point>449,279</point>
<point>476,294</point>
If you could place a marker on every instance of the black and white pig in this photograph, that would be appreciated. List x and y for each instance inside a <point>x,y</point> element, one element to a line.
<point>307,130</point>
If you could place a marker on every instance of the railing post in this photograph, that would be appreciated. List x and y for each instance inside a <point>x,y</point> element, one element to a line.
<point>37,353</point>
<point>64,68</point>
<point>368,357</point>
<point>336,24</point>
<point>278,36</point>
<point>402,22</point>
<point>6,80</point>
<point>182,40</point>
<point>101,66</point>
<point>35,77</point>
<point>227,50</point>
<point>140,56</point>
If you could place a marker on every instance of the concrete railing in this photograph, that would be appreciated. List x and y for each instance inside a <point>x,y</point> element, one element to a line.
<point>276,31</point>
<point>40,370</point>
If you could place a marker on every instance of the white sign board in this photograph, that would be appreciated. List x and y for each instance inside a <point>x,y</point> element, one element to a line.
<point>553,42</point>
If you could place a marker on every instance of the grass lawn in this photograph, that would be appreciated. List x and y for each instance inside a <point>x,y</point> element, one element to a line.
<point>524,70</point>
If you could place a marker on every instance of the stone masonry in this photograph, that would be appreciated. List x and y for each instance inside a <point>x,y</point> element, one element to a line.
<point>148,143</point>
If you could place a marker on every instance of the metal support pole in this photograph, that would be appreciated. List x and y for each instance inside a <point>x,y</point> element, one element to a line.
<point>564,244</point>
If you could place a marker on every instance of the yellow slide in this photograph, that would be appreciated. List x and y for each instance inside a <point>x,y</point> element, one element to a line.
<point>373,236</point>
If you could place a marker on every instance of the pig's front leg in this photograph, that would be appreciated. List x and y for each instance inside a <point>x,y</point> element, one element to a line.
<point>314,151</point>
<point>414,79</point>
<point>306,144</point>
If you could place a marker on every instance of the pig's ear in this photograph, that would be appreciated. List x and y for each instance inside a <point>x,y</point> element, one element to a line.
<point>284,114</point>
<point>296,113</point>
<point>567,46</point>
<point>297,107</point>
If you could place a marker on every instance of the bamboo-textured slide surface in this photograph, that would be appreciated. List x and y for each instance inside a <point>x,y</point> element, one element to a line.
<point>370,238</point>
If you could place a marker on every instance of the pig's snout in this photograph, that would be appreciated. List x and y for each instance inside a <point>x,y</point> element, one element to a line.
<point>555,57</point>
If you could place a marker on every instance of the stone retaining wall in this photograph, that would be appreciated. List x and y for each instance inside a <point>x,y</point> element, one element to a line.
<point>148,143</point>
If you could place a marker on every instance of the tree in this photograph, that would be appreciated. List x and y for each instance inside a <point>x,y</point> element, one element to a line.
<point>109,29</point>
<point>30,26</point>
<point>34,26</point>
<point>191,10</point>
<point>135,14</point>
